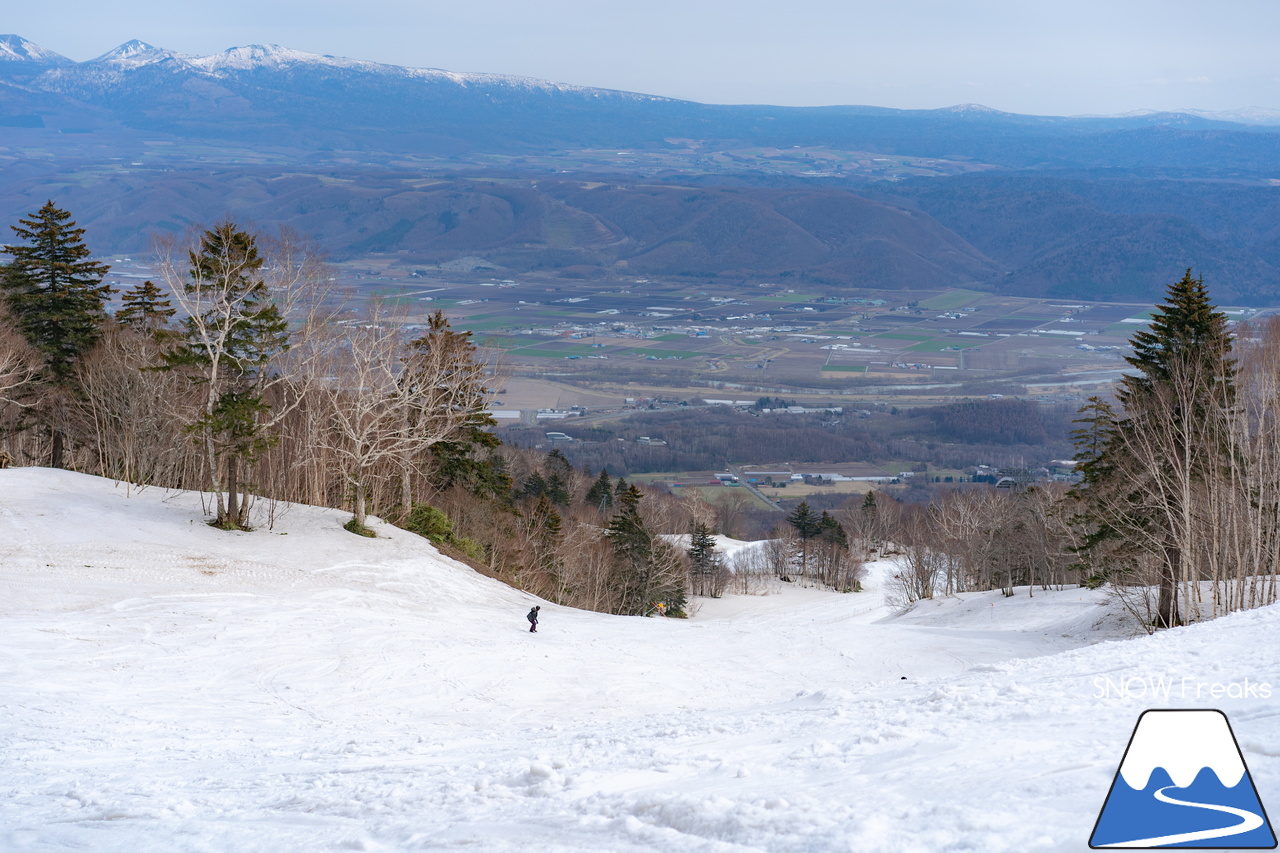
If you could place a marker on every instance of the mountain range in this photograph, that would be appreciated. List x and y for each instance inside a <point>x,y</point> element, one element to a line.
<point>531,174</point>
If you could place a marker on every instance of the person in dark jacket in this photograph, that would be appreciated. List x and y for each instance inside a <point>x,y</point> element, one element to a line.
<point>533,619</point>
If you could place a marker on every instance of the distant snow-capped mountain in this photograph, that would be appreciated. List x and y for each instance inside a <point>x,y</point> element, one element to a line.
<point>27,58</point>
<point>16,49</point>
<point>133,54</point>
<point>270,95</point>
<point>1260,116</point>
<point>1244,115</point>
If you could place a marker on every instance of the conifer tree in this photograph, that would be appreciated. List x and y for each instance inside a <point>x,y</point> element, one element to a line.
<point>55,295</point>
<point>632,546</point>
<point>704,560</point>
<point>535,485</point>
<point>557,490</point>
<point>1147,470</point>
<point>449,378</point>
<point>146,308</point>
<point>559,475</point>
<point>831,531</point>
<point>807,526</point>
<point>600,495</point>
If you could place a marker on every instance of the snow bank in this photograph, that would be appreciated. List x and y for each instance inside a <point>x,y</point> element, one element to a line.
<point>165,686</point>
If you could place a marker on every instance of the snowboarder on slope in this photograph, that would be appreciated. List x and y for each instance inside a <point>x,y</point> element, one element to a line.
<point>533,619</point>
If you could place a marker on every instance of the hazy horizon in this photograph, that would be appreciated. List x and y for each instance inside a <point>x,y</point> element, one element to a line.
<point>1093,58</point>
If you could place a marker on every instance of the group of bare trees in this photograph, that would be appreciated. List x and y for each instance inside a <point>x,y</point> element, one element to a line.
<point>1178,511</point>
<point>239,372</point>
<point>241,375</point>
<point>982,539</point>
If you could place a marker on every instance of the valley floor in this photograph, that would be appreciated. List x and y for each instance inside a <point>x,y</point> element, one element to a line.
<point>168,687</point>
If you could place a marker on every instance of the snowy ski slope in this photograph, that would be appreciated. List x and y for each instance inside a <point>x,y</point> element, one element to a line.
<point>168,687</point>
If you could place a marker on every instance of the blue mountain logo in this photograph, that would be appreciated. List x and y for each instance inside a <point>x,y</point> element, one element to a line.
<point>1183,783</point>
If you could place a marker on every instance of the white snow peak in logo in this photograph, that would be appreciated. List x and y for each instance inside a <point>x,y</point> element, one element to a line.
<point>1183,783</point>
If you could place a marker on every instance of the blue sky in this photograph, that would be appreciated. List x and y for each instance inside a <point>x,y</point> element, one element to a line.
<point>1030,57</point>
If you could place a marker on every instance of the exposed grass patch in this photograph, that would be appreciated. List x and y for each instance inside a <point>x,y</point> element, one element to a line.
<point>844,368</point>
<point>358,529</point>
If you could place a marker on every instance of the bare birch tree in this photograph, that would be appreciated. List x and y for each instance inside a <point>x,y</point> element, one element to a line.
<point>19,364</point>
<point>237,295</point>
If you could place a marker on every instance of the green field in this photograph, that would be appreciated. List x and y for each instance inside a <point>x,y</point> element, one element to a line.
<point>844,368</point>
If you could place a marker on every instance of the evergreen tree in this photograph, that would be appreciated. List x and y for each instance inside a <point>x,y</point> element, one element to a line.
<point>807,525</point>
<point>535,485</point>
<point>1144,472</point>
<point>557,490</point>
<point>56,296</point>
<point>600,495</point>
<point>831,531</point>
<point>145,307</point>
<point>557,465</point>
<point>445,361</point>
<point>1186,328</point>
<point>1097,447</point>
<point>632,546</point>
<point>703,558</point>
<point>457,463</point>
<point>546,519</point>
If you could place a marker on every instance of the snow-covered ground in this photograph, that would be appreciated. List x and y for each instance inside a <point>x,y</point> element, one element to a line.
<point>168,687</point>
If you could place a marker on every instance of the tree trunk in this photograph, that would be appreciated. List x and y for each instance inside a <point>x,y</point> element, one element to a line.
<point>55,448</point>
<point>232,519</point>
<point>1167,605</point>
<point>361,512</point>
<point>406,491</point>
